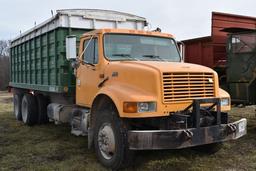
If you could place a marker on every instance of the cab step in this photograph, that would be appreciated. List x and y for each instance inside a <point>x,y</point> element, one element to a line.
<point>80,121</point>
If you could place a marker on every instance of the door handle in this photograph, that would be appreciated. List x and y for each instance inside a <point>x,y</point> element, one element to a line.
<point>102,82</point>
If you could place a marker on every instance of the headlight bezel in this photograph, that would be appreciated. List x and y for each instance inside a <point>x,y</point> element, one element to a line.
<point>139,107</point>
<point>225,101</point>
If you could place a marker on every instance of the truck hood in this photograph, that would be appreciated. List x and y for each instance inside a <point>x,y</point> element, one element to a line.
<point>144,81</point>
<point>170,66</point>
<point>147,75</point>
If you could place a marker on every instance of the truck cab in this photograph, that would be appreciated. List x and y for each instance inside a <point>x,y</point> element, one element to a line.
<point>120,63</point>
<point>142,96</point>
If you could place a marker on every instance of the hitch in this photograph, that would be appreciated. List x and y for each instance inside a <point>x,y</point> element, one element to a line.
<point>187,134</point>
<point>231,128</point>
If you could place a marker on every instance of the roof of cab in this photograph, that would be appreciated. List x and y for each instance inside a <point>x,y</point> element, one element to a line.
<point>128,31</point>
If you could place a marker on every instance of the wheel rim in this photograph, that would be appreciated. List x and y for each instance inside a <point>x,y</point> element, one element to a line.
<point>24,110</point>
<point>16,107</point>
<point>106,141</point>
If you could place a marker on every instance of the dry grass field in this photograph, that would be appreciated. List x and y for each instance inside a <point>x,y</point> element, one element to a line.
<point>52,147</point>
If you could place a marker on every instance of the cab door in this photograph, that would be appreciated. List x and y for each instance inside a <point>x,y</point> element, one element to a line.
<point>88,73</point>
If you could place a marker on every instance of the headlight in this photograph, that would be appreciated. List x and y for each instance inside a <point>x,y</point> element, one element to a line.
<point>224,102</point>
<point>146,107</point>
<point>139,107</point>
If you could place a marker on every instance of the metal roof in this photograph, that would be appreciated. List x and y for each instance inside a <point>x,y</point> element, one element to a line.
<point>100,14</point>
<point>85,19</point>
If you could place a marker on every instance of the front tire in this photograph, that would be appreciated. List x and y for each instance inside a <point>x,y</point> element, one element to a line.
<point>110,141</point>
<point>29,109</point>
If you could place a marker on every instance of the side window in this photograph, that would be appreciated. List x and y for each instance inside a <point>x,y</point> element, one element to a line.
<point>91,52</point>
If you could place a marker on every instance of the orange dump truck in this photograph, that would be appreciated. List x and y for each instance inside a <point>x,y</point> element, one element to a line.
<point>125,88</point>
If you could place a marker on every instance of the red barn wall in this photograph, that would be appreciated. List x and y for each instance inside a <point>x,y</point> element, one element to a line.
<point>211,51</point>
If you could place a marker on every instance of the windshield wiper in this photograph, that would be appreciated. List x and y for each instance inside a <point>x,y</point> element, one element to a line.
<point>124,55</point>
<point>153,56</point>
<point>87,63</point>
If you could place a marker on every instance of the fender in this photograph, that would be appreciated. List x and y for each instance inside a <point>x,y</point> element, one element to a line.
<point>223,93</point>
<point>120,93</point>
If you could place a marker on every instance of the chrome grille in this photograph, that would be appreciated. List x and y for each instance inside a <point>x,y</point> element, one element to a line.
<point>187,86</point>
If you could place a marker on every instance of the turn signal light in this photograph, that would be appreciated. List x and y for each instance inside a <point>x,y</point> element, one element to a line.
<point>130,107</point>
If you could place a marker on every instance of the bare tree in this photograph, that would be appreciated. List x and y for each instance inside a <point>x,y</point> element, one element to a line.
<point>4,64</point>
<point>4,47</point>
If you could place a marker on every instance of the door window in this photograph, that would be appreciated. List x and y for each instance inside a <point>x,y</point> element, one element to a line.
<point>91,51</point>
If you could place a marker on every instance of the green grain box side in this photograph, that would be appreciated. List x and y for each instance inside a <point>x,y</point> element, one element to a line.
<point>40,63</point>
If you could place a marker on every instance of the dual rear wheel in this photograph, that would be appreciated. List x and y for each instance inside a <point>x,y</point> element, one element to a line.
<point>17,99</point>
<point>31,109</point>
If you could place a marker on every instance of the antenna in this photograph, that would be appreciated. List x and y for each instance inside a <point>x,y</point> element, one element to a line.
<point>35,23</point>
<point>52,12</point>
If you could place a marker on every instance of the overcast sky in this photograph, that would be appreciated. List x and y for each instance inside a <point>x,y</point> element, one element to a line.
<point>183,18</point>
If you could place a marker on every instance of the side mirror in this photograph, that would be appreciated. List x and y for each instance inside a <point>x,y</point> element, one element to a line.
<point>71,47</point>
<point>181,47</point>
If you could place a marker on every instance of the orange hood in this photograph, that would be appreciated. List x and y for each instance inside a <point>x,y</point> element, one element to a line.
<point>163,66</point>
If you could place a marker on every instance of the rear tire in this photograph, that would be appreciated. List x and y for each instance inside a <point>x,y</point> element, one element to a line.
<point>29,110</point>
<point>110,141</point>
<point>17,99</point>
<point>42,102</point>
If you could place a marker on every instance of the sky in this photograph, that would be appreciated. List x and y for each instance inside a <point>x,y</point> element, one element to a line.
<point>185,19</point>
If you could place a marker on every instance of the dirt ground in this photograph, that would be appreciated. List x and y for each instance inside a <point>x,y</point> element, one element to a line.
<point>52,147</point>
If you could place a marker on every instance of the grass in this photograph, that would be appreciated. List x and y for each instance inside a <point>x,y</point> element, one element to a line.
<point>52,147</point>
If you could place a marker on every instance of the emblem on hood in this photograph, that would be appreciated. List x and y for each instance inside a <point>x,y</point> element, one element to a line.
<point>210,80</point>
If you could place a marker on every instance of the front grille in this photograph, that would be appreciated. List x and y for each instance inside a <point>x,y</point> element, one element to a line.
<point>187,86</point>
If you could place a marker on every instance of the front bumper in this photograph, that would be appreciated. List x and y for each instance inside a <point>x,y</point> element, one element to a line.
<point>176,139</point>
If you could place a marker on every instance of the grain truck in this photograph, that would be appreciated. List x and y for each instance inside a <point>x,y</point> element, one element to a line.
<point>122,86</point>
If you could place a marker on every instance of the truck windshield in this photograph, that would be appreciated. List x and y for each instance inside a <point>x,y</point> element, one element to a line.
<point>138,47</point>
